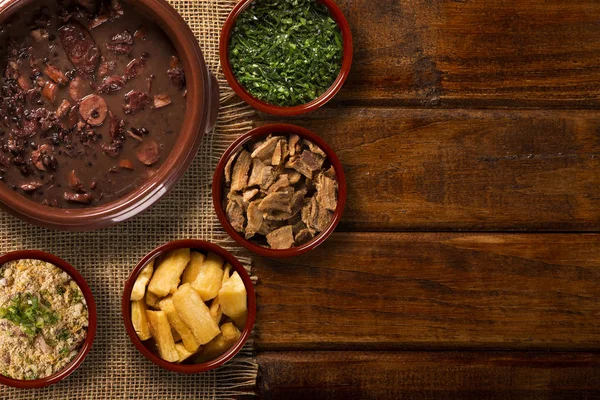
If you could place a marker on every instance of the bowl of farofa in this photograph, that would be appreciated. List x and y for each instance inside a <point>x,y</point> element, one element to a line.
<point>286,58</point>
<point>47,319</point>
<point>279,190</point>
<point>189,306</point>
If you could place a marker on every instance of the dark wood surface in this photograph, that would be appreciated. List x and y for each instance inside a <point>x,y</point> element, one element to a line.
<point>467,263</point>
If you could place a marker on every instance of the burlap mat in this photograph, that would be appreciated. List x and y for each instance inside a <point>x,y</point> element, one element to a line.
<point>114,369</point>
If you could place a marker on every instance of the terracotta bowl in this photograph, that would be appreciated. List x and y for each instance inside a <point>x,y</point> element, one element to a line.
<point>200,117</point>
<point>203,246</point>
<point>335,87</point>
<point>219,184</point>
<point>92,318</point>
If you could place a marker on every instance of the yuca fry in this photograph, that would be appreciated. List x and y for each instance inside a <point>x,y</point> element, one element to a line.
<point>215,310</point>
<point>168,273</point>
<point>161,332</point>
<point>139,319</point>
<point>226,272</point>
<point>152,300</point>
<point>190,273</point>
<point>208,281</point>
<point>182,351</point>
<point>139,287</point>
<point>220,344</point>
<point>232,297</point>
<point>175,334</point>
<point>195,314</point>
<point>178,325</point>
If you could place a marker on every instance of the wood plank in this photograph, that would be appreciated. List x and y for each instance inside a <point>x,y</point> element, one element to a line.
<point>428,375</point>
<point>381,291</point>
<point>478,170</point>
<point>495,53</point>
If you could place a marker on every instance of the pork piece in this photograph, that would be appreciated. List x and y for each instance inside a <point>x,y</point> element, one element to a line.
<point>31,186</point>
<point>81,198</point>
<point>97,21</point>
<point>12,70</point>
<point>72,117</point>
<point>55,74</point>
<point>23,83</point>
<point>255,218</point>
<point>281,153</point>
<point>121,43</point>
<point>281,238</point>
<point>111,84</point>
<point>281,183</point>
<point>264,151</point>
<point>278,201</point>
<point>235,215</point>
<point>93,109</point>
<point>326,192</point>
<point>239,177</point>
<point>116,128</point>
<point>313,147</point>
<point>314,216</point>
<point>126,164</point>
<point>78,88</point>
<point>161,100</point>
<point>229,165</point>
<point>293,144</point>
<point>37,156</point>
<point>307,163</point>
<point>303,236</point>
<point>49,91</point>
<point>113,149</point>
<point>39,34</point>
<point>134,67</point>
<point>75,183</point>
<point>141,33</point>
<point>63,108</point>
<point>148,152</point>
<point>135,101</point>
<point>177,76</point>
<point>106,67</point>
<point>80,47</point>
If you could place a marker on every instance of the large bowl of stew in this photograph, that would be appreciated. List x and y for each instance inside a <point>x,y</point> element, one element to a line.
<point>103,105</point>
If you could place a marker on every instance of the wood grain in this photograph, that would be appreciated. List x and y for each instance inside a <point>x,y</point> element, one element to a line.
<point>494,53</point>
<point>382,291</point>
<point>465,169</point>
<point>428,375</point>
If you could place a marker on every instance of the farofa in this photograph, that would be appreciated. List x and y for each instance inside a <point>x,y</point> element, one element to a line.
<point>40,349</point>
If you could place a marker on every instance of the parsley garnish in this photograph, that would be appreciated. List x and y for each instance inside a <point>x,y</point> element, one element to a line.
<point>286,52</point>
<point>27,311</point>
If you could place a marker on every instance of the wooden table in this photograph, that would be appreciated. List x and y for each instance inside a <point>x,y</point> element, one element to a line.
<point>467,264</point>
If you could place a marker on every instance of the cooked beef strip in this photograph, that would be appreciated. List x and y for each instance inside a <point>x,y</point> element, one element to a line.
<point>281,182</point>
<point>292,142</point>
<point>296,205</point>
<point>293,176</point>
<point>315,216</point>
<point>249,195</point>
<point>330,173</point>
<point>303,236</point>
<point>229,165</point>
<point>313,147</point>
<point>239,178</point>
<point>264,151</point>
<point>280,201</point>
<point>326,192</point>
<point>255,218</point>
<point>281,153</point>
<point>281,238</point>
<point>235,215</point>
<point>307,163</point>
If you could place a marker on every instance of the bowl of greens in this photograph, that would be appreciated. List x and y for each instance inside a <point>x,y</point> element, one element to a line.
<point>286,57</point>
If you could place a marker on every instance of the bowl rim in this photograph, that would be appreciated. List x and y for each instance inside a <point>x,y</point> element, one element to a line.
<point>260,105</point>
<point>199,108</point>
<point>92,318</point>
<point>194,244</point>
<point>261,131</point>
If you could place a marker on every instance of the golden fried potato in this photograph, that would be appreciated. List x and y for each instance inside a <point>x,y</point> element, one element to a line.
<point>139,319</point>
<point>139,287</point>
<point>161,332</point>
<point>195,313</point>
<point>168,273</point>
<point>233,299</point>
<point>210,276</point>
<point>193,268</point>
<point>183,353</point>
<point>189,341</point>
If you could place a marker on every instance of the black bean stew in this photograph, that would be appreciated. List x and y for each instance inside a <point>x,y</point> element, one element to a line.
<point>92,97</point>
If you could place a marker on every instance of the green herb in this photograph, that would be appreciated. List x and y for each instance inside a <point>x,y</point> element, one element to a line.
<point>64,351</point>
<point>76,296</point>
<point>63,334</point>
<point>286,52</point>
<point>27,311</point>
<point>60,290</point>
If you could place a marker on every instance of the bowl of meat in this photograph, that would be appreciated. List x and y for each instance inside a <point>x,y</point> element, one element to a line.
<point>279,190</point>
<point>103,105</point>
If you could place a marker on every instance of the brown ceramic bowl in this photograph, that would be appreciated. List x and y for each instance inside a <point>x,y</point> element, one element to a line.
<point>200,117</point>
<point>335,87</point>
<point>219,184</point>
<point>92,318</point>
<point>203,246</point>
